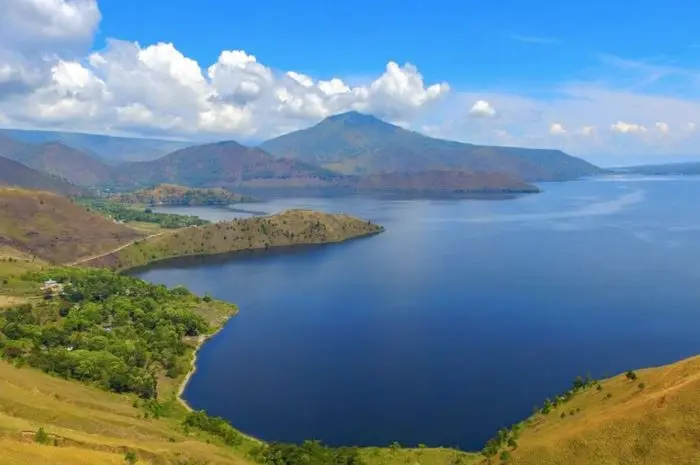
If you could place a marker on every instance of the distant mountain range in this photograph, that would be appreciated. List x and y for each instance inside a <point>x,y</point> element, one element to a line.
<point>355,143</point>
<point>350,152</point>
<point>110,149</point>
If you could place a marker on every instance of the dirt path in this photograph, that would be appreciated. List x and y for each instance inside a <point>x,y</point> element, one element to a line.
<point>121,247</point>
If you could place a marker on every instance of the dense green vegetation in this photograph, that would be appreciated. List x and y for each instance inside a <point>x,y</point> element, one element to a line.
<point>124,213</point>
<point>308,453</point>
<point>115,331</point>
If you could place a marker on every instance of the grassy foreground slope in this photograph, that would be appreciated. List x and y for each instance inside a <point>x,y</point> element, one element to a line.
<point>54,228</point>
<point>292,227</point>
<point>651,416</point>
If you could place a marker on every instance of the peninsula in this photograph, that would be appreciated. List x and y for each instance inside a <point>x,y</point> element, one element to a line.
<point>292,227</point>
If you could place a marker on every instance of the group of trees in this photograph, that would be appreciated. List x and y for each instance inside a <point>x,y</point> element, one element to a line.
<point>308,453</point>
<point>120,212</point>
<point>112,330</point>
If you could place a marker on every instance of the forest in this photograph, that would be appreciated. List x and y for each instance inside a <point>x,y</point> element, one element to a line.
<point>111,330</point>
<point>119,212</point>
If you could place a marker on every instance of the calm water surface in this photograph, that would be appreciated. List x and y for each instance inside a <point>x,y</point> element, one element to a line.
<point>454,322</point>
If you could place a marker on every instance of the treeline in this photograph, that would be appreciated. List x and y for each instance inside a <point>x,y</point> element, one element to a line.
<point>120,212</point>
<point>170,194</point>
<point>308,453</point>
<point>114,331</point>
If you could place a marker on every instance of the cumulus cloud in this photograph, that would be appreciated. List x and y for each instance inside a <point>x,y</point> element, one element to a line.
<point>556,129</point>
<point>46,80</point>
<point>627,128</point>
<point>482,109</point>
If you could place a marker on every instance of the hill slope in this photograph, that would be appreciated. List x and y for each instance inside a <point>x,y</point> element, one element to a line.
<point>55,229</point>
<point>354,143</point>
<point>292,227</point>
<point>172,194</point>
<point>58,159</point>
<point>13,173</point>
<point>223,164</point>
<point>669,169</point>
<point>234,166</point>
<point>110,148</point>
<point>652,418</point>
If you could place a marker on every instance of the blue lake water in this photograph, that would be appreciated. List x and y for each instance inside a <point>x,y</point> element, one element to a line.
<point>455,321</point>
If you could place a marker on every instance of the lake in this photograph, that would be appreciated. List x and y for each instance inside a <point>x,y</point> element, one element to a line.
<point>457,320</point>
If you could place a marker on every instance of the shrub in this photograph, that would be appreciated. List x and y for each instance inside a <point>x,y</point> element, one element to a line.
<point>41,436</point>
<point>505,456</point>
<point>631,375</point>
<point>642,386</point>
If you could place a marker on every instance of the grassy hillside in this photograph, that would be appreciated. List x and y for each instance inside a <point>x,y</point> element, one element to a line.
<point>54,228</point>
<point>353,143</point>
<point>57,159</point>
<point>13,173</point>
<point>172,194</point>
<point>292,227</point>
<point>651,416</point>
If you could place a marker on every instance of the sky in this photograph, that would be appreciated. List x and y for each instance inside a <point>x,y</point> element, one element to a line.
<point>614,82</point>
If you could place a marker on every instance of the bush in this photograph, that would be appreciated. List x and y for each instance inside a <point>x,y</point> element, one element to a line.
<point>631,375</point>
<point>41,436</point>
<point>642,386</point>
<point>505,456</point>
<point>213,425</point>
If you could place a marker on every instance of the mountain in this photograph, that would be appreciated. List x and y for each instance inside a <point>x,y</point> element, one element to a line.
<point>54,228</point>
<point>234,166</point>
<point>687,168</point>
<point>13,173</point>
<point>223,164</point>
<point>355,143</point>
<point>58,159</point>
<point>111,149</point>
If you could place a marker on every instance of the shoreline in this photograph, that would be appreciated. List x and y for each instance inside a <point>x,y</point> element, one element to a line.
<point>193,369</point>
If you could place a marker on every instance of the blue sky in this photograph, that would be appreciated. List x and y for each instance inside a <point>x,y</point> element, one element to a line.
<point>615,82</point>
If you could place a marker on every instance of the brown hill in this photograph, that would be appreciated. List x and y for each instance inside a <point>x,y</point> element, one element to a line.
<point>13,173</point>
<point>172,194</point>
<point>223,164</point>
<point>55,229</point>
<point>57,159</point>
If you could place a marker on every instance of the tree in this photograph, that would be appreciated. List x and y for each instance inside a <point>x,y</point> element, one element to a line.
<point>505,456</point>
<point>631,375</point>
<point>41,436</point>
<point>512,443</point>
<point>130,457</point>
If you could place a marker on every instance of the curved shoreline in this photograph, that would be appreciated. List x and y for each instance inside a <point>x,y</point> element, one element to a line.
<point>193,369</point>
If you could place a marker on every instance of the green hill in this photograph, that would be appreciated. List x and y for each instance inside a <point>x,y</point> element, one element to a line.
<point>354,143</point>
<point>292,227</point>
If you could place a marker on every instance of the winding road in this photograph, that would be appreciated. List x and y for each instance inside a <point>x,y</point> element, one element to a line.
<point>123,246</point>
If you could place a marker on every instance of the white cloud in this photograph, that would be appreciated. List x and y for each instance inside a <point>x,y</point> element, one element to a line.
<point>556,129</point>
<point>482,108</point>
<point>663,128</point>
<point>627,128</point>
<point>691,126</point>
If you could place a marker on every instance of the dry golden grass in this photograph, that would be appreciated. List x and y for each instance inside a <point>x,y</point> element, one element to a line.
<point>55,229</point>
<point>88,424</point>
<point>658,424</point>
<point>292,227</point>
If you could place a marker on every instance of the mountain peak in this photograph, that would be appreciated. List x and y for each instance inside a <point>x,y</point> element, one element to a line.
<point>355,118</point>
